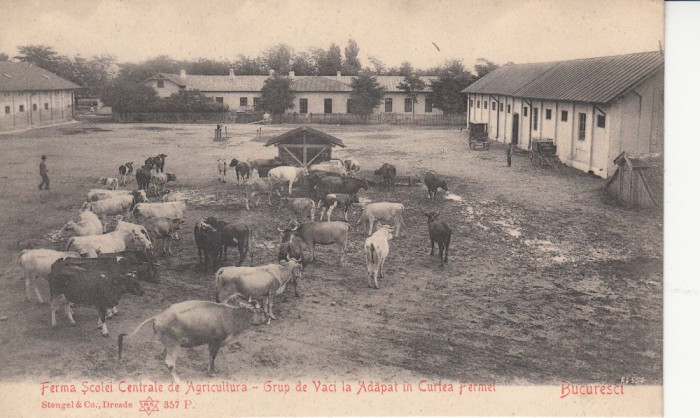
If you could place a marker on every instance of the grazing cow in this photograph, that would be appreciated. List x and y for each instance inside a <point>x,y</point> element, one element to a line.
<point>238,234</point>
<point>346,185</point>
<point>259,186</point>
<point>112,242</point>
<point>116,205</point>
<point>124,226</point>
<point>256,282</point>
<point>111,182</point>
<point>143,176</point>
<point>164,228</point>
<point>376,250</point>
<point>169,196</point>
<point>433,182</point>
<point>300,206</point>
<point>324,233</point>
<point>37,263</point>
<point>287,173</point>
<point>439,232</point>
<point>172,210</point>
<point>221,166</point>
<point>388,173</point>
<point>242,170</point>
<point>352,166</point>
<point>157,162</point>
<point>198,322</point>
<point>125,171</point>
<point>330,201</point>
<point>102,194</point>
<point>99,287</point>
<point>382,211</point>
<point>159,181</point>
<point>209,241</point>
<point>291,246</point>
<point>88,224</point>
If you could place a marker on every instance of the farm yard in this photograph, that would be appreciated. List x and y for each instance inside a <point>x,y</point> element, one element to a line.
<point>546,280</point>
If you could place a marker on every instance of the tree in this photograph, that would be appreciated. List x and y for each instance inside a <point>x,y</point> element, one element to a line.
<point>45,57</point>
<point>276,95</point>
<point>452,79</point>
<point>351,65</point>
<point>378,67</point>
<point>248,66</point>
<point>303,64</point>
<point>328,62</point>
<point>191,101</point>
<point>366,93</point>
<point>278,58</point>
<point>4,57</point>
<point>126,97</point>
<point>483,67</point>
<point>411,84</point>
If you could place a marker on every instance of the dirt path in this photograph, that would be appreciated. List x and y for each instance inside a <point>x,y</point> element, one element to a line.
<point>545,281</point>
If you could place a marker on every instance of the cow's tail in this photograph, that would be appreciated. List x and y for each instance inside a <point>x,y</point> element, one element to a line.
<point>120,340</point>
<point>372,253</point>
<point>70,242</point>
<point>14,264</point>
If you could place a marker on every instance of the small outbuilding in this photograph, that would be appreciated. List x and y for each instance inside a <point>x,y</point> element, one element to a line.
<point>304,146</point>
<point>638,180</point>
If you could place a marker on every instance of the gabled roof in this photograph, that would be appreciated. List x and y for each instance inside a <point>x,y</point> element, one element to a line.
<point>593,80</point>
<point>313,132</point>
<point>318,83</point>
<point>170,77</point>
<point>20,76</point>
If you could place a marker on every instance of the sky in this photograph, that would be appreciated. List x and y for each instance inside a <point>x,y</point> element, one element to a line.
<point>391,30</point>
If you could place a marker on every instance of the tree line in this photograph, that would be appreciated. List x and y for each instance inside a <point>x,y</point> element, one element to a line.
<point>120,84</point>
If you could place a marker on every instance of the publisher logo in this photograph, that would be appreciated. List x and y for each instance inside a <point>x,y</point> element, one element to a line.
<point>149,405</point>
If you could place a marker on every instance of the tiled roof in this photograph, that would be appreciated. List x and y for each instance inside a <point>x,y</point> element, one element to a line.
<point>593,80</point>
<point>20,76</point>
<point>318,83</point>
<point>313,132</point>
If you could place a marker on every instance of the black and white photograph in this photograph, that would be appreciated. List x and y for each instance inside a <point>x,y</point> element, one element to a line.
<point>310,207</point>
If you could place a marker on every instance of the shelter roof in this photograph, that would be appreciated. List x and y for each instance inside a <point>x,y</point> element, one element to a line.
<point>311,131</point>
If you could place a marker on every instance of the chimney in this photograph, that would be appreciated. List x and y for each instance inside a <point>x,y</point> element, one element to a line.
<point>231,73</point>
<point>183,74</point>
<point>272,72</point>
<point>337,75</point>
<point>291,73</point>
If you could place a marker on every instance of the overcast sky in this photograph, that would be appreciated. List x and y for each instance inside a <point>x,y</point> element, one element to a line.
<point>392,30</point>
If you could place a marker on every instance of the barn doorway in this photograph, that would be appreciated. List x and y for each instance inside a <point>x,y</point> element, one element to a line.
<point>516,129</point>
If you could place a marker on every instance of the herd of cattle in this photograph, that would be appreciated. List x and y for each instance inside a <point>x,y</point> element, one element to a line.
<point>98,267</point>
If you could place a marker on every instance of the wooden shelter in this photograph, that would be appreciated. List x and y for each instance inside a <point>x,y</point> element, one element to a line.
<point>638,180</point>
<point>304,146</point>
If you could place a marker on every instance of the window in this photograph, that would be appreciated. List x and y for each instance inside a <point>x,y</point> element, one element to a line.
<point>478,104</point>
<point>408,105</point>
<point>500,107</point>
<point>7,110</point>
<point>244,101</point>
<point>564,115</point>
<point>535,114</point>
<point>256,103</point>
<point>525,111</point>
<point>493,105</point>
<point>601,121</point>
<point>219,100</point>
<point>428,105</point>
<point>303,105</point>
<point>388,105</point>
<point>486,105</point>
<point>548,114</point>
<point>327,105</point>
<point>34,107</point>
<point>508,108</point>
<point>46,106</point>
<point>161,84</point>
<point>21,108</point>
<point>471,102</point>
<point>581,126</point>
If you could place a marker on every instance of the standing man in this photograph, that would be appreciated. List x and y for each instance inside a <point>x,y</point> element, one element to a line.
<point>509,152</point>
<point>44,173</point>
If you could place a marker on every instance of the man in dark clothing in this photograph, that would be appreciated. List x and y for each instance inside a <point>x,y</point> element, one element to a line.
<point>509,152</point>
<point>44,173</point>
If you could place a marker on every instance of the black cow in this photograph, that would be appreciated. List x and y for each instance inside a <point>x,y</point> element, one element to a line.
<point>236,234</point>
<point>209,241</point>
<point>433,182</point>
<point>242,170</point>
<point>158,162</point>
<point>388,173</point>
<point>99,282</point>
<point>347,185</point>
<point>439,232</point>
<point>125,171</point>
<point>143,176</point>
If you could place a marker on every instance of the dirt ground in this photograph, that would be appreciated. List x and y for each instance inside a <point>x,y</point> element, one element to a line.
<point>547,280</point>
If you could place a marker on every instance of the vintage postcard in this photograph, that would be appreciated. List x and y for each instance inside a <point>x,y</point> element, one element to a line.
<point>303,208</point>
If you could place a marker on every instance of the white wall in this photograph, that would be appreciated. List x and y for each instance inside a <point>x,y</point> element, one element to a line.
<point>54,106</point>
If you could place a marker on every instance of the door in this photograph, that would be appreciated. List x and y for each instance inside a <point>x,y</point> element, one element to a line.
<point>582,139</point>
<point>515,135</point>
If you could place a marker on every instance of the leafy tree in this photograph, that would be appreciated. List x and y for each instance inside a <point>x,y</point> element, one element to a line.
<point>411,84</point>
<point>191,101</point>
<point>303,64</point>
<point>278,58</point>
<point>94,74</point>
<point>276,95</point>
<point>249,66</point>
<point>351,65</point>
<point>205,66</point>
<point>452,78</point>
<point>137,72</point>
<point>328,62</point>
<point>366,93</point>
<point>483,67</point>
<point>126,97</point>
<point>45,57</point>
<point>378,67</point>
<point>4,57</point>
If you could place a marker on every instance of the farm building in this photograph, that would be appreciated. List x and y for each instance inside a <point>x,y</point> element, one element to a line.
<point>32,96</point>
<point>304,146</point>
<point>594,108</point>
<point>314,94</point>
<point>638,180</point>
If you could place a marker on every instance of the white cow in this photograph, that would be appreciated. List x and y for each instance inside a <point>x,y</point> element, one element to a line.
<point>259,186</point>
<point>287,173</point>
<point>128,227</point>
<point>37,263</point>
<point>101,194</point>
<point>172,210</point>
<point>175,196</point>
<point>88,224</point>
<point>112,242</point>
<point>383,211</point>
<point>116,205</point>
<point>376,251</point>
<point>221,165</point>
<point>111,182</point>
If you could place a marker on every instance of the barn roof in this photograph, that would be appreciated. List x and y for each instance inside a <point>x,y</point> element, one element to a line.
<point>313,132</point>
<point>21,76</point>
<point>593,80</point>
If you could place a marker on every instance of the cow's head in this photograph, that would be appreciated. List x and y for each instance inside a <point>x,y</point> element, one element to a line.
<point>86,206</point>
<point>234,162</point>
<point>139,196</point>
<point>443,185</point>
<point>147,268</point>
<point>129,283</point>
<point>68,230</point>
<point>140,240</point>
<point>259,316</point>
<point>432,216</point>
<point>388,230</point>
<point>365,184</point>
<point>171,177</point>
<point>162,156</point>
